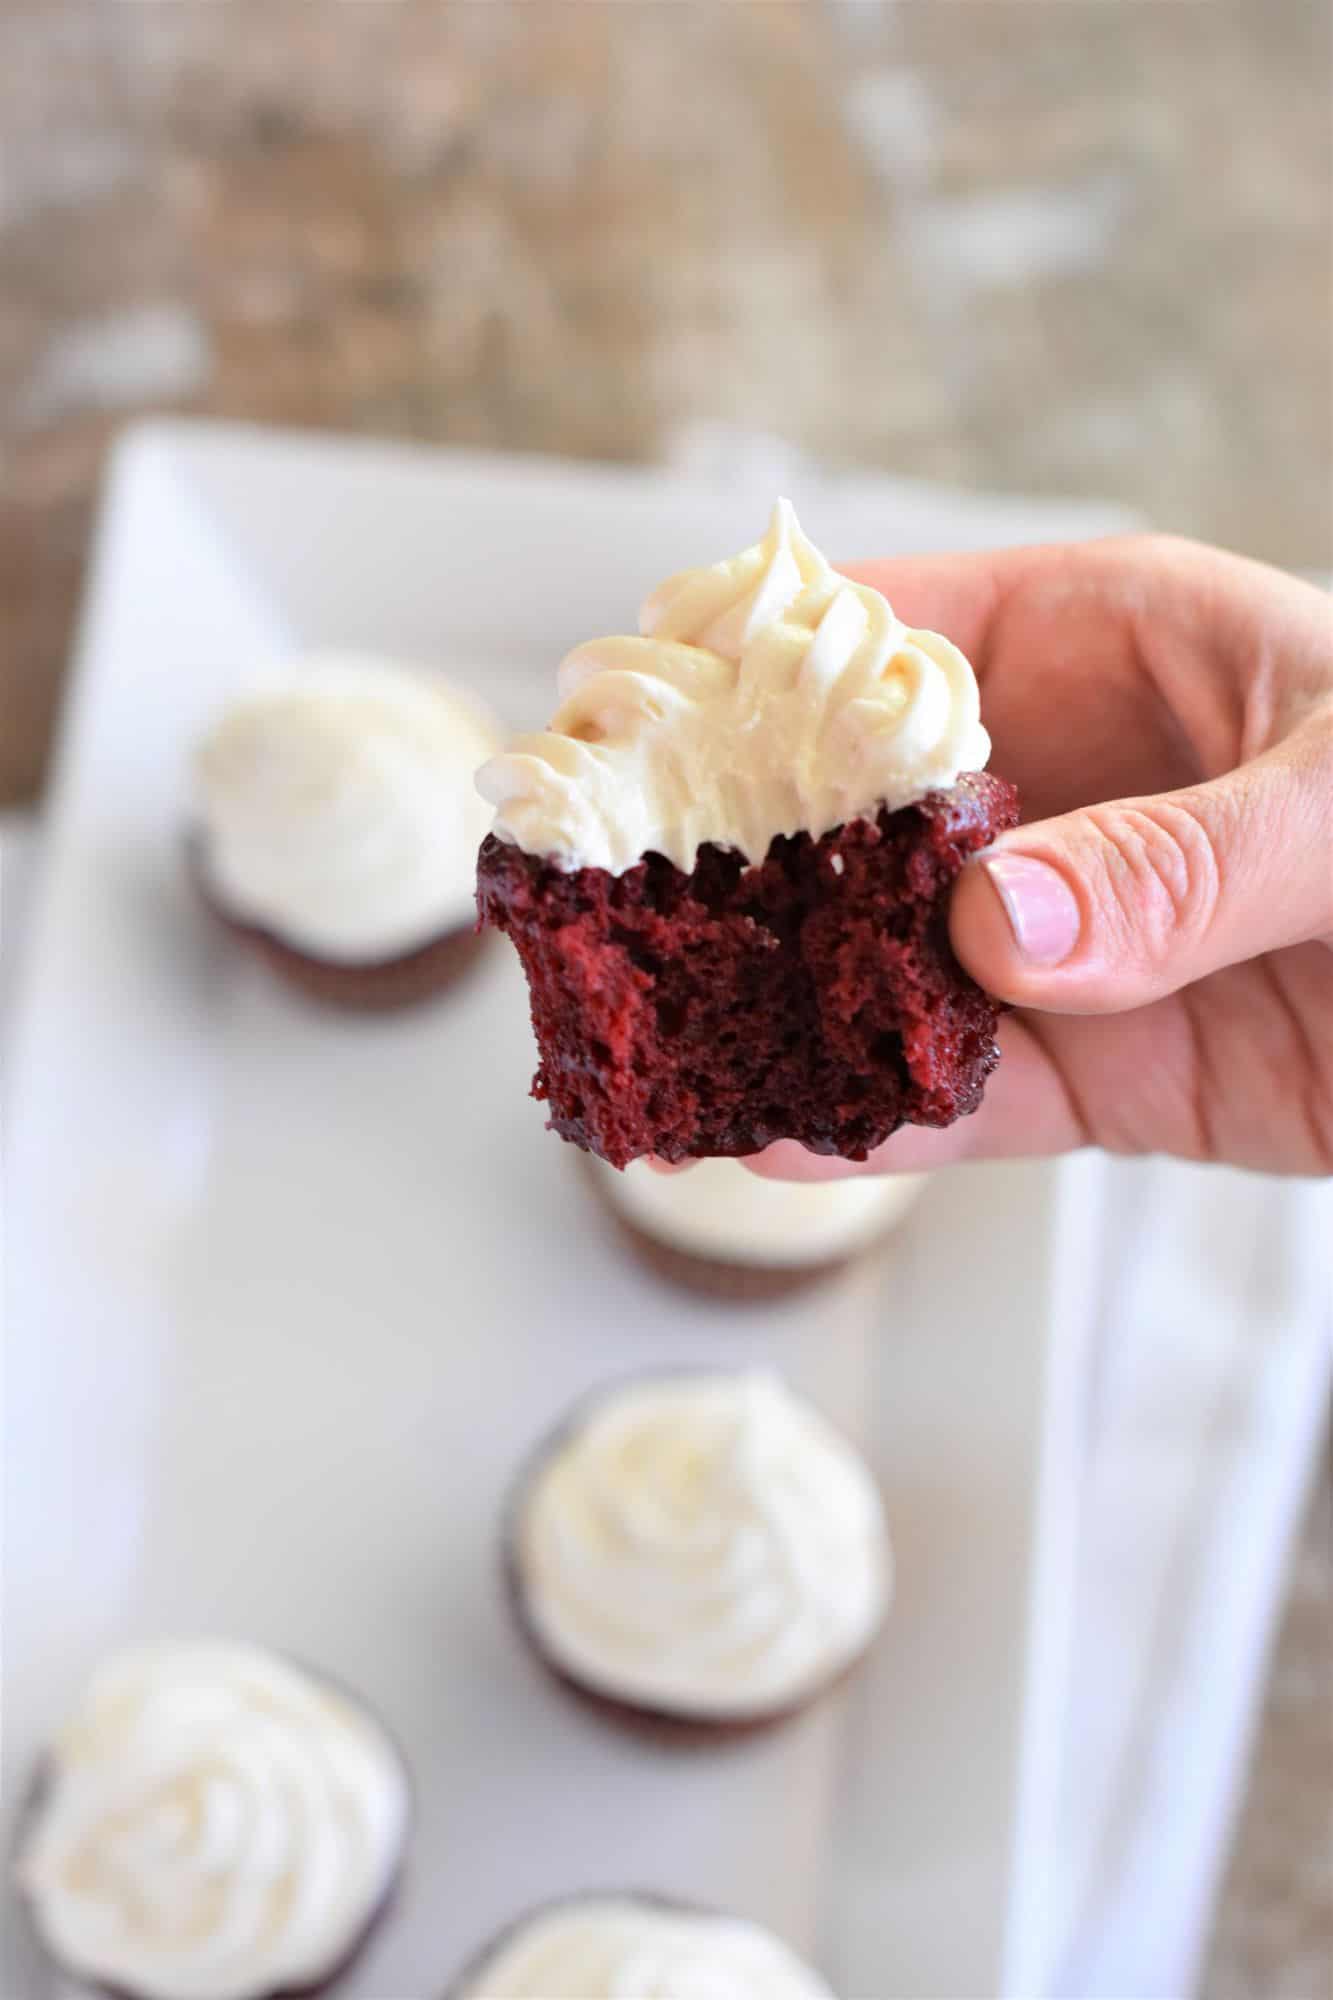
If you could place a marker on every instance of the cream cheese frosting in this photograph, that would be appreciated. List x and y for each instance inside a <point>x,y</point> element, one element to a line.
<point>624,1948</point>
<point>337,808</point>
<point>764,695</point>
<point>212,1824</point>
<point>718,1209</point>
<point>702,1545</point>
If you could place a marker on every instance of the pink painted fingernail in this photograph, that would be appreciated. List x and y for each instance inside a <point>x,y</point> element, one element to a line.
<point>1042,909</point>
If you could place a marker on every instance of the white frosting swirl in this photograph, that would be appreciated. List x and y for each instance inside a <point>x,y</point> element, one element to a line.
<point>614,1948</point>
<point>214,1825</point>
<point>718,1209</point>
<point>703,1545</point>
<point>766,695</point>
<point>338,809</point>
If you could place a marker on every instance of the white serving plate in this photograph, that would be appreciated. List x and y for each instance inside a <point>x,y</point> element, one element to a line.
<point>289,1296</point>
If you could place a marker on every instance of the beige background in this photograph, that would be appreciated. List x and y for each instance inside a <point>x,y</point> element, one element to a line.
<point>1060,245</point>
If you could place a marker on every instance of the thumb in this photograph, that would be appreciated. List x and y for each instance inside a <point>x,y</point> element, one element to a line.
<point>1119,904</point>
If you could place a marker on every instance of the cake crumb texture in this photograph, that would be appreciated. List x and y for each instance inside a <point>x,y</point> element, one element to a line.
<point>812,997</point>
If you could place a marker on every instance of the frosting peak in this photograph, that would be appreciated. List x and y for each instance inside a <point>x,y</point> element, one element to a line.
<point>764,695</point>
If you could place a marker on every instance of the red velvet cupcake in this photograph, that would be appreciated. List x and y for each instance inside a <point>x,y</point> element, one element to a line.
<point>698,1556</point>
<point>334,827</point>
<point>212,1821</point>
<point>726,867</point>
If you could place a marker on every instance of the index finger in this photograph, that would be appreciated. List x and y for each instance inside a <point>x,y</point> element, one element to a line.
<point>956,594</point>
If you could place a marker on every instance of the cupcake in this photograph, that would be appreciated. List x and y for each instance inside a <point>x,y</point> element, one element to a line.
<point>335,828</point>
<point>719,1228</point>
<point>212,1824</point>
<point>726,867</point>
<point>698,1554</point>
<point>625,1947</point>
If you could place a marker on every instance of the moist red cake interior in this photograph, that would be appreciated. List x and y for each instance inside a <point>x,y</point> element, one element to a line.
<point>812,997</point>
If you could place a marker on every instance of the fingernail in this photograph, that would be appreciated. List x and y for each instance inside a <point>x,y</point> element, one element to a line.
<point>1042,909</point>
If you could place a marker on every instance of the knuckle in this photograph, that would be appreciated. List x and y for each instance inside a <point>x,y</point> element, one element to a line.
<point>1150,550</point>
<point>1161,875</point>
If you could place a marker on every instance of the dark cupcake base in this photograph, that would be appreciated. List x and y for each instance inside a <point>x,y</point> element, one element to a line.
<point>377,988</point>
<point>813,997</point>
<point>739,1284</point>
<point>365,989</point>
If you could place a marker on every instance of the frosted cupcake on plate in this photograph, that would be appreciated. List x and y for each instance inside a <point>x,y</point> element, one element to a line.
<point>335,826</point>
<point>212,1823</point>
<point>698,1553</point>
<point>627,1947</point>
<point>719,1228</point>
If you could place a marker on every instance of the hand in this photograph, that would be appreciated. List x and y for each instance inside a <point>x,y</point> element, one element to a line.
<point>1162,920</point>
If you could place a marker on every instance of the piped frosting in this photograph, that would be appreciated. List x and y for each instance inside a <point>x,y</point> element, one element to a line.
<point>337,809</point>
<point>706,1546</point>
<point>212,1824</point>
<point>763,695</point>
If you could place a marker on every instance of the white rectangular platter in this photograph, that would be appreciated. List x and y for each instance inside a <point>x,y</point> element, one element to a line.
<point>288,1296</point>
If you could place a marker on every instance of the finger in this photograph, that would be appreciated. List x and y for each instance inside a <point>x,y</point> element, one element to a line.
<point>956,594</point>
<point>1026,1111</point>
<point>1120,904</point>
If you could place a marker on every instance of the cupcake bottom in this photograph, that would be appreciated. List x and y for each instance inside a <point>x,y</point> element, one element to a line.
<point>762,1266</point>
<point>664,1728</point>
<point>741,1284</point>
<point>364,989</point>
<point>812,996</point>
<point>377,987</point>
<point>712,1275</point>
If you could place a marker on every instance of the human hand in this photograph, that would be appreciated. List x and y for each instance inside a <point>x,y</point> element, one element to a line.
<point>1163,919</point>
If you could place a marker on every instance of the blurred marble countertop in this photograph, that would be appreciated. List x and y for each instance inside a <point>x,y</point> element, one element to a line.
<point>1075,248</point>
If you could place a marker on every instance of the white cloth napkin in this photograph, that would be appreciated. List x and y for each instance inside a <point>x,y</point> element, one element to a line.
<point>18,856</point>
<point>1206,1404</point>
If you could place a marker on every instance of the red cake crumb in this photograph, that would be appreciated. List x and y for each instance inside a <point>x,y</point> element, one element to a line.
<point>812,997</point>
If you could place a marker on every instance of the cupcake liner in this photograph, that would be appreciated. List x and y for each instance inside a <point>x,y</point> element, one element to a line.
<point>365,989</point>
<point>715,1277</point>
<point>664,1728</point>
<point>376,988</point>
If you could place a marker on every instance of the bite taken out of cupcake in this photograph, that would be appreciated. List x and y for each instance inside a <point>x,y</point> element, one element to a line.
<point>726,868</point>
<point>719,1229</point>
<point>212,1823</point>
<point>698,1555</point>
<point>634,1947</point>
<point>334,827</point>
